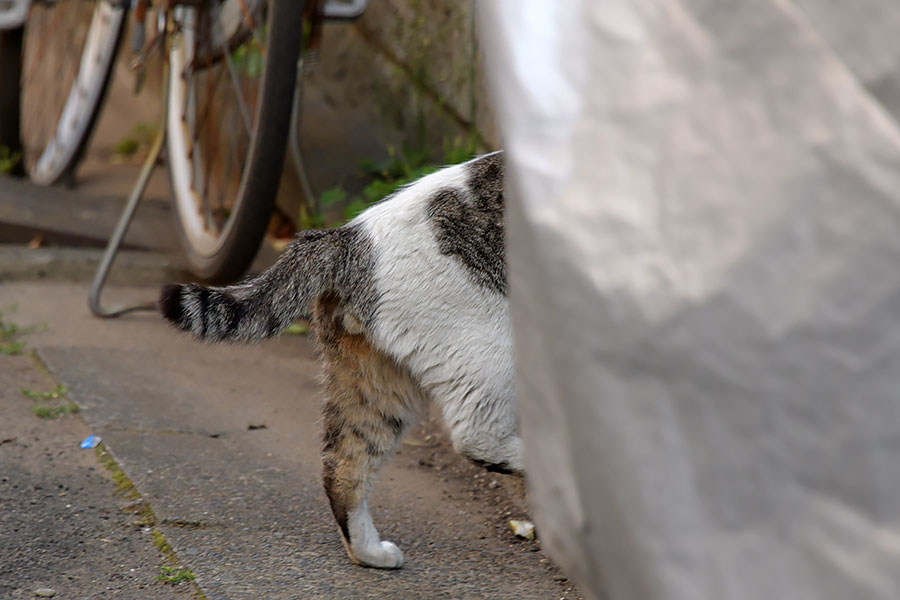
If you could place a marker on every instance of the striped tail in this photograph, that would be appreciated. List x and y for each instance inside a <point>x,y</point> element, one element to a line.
<point>261,307</point>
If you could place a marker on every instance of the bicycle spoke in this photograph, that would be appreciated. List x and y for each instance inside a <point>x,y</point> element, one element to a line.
<point>231,160</point>
<point>248,18</point>
<point>195,153</point>
<point>236,86</point>
<point>212,177</point>
<point>212,148</point>
<point>205,117</point>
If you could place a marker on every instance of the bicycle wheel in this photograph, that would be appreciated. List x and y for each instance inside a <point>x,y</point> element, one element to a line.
<point>231,84</point>
<point>57,92</point>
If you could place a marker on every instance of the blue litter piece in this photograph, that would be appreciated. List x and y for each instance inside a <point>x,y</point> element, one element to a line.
<point>91,442</point>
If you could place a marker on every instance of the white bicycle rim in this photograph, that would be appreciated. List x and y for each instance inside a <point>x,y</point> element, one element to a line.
<point>185,160</point>
<point>72,127</point>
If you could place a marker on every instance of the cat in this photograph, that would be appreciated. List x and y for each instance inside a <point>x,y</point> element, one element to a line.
<point>408,302</point>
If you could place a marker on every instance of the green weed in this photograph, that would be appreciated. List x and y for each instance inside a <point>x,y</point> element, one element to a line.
<point>127,147</point>
<point>8,160</point>
<point>46,411</point>
<point>124,485</point>
<point>140,136</point>
<point>248,59</point>
<point>174,575</point>
<point>397,170</point>
<point>60,391</point>
<point>333,196</point>
<point>10,332</point>
<point>12,348</point>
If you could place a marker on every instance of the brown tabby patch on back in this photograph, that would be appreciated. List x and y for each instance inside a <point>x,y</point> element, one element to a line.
<point>469,226</point>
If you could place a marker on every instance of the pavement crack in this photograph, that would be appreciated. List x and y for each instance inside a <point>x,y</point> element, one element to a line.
<point>138,505</point>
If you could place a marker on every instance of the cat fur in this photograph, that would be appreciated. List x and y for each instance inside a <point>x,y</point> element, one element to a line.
<point>409,305</point>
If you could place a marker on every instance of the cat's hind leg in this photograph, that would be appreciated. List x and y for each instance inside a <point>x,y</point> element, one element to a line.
<point>494,448</point>
<point>371,403</point>
<point>481,417</point>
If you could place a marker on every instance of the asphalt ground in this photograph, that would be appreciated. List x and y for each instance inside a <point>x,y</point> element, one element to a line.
<point>221,445</point>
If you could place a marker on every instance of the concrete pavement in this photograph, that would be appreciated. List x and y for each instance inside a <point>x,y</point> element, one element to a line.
<point>223,444</point>
<point>61,527</point>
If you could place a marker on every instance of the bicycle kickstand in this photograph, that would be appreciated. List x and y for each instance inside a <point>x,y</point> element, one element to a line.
<point>115,241</point>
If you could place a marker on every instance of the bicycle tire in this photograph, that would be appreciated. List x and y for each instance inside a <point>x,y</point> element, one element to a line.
<point>59,157</point>
<point>225,255</point>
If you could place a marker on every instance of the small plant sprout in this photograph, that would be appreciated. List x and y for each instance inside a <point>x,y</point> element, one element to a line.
<point>174,575</point>
<point>46,411</point>
<point>9,160</point>
<point>59,392</point>
<point>10,334</point>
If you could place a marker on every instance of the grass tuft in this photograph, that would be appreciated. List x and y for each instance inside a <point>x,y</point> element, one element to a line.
<point>161,542</point>
<point>46,411</point>
<point>60,391</point>
<point>10,344</point>
<point>124,485</point>
<point>174,575</point>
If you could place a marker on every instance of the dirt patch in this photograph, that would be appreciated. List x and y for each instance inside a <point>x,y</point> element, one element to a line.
<point>499,497</point>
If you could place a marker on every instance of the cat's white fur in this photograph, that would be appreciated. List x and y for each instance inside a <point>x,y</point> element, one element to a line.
<point>461,348</point>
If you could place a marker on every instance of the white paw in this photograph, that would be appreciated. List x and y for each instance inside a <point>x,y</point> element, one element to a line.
<point>386,555</point>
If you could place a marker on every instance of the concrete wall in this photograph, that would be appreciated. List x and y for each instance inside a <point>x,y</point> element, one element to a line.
<point>419,63</point>
<point>408,72</point>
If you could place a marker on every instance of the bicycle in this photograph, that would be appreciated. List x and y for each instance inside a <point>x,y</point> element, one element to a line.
<point>231,99</point>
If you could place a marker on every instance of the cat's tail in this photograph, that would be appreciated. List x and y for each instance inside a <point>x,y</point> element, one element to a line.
<point>261,307</point>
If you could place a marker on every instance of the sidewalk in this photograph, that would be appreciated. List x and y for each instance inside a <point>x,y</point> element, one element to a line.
<point>223,444</point>
<point>60,526</point>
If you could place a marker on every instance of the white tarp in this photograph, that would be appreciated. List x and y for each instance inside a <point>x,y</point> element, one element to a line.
<point>703,233</point>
